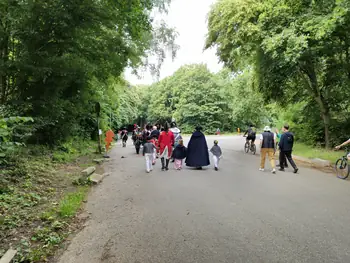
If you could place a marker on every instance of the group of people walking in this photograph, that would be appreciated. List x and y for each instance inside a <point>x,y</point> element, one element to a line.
<point>166,143</point>
<point>269,142</point>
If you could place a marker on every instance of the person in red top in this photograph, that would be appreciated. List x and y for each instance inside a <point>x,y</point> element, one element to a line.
<point>166,142</point>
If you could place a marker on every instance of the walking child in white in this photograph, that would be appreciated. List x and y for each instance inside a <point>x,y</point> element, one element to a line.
<point>148,150</point>
<point>217,153</point>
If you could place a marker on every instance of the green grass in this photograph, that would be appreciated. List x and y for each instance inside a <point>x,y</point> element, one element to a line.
<point>71,203</point>
<point>307,151</point>
<point>38,200</point>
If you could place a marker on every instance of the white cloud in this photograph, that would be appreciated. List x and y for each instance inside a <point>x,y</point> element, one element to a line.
<point>189,19</point>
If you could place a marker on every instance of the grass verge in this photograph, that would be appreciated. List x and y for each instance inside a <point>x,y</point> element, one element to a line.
<point>308,151</point>
<point>38,200</point>
<point>71,203</point>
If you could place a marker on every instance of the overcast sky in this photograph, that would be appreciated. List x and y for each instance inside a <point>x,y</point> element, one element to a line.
<point>189,19</point>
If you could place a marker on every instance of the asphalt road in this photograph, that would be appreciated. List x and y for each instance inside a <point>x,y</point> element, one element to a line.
<point>235,215</point>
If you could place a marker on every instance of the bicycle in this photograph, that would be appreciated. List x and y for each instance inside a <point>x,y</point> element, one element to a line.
<point>342,166</point>
<point>249,146</point>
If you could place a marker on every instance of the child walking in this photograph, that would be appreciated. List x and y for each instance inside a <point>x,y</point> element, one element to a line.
<point>179,154</point>
<point>148,150</point>
<point>217,153</point>
<point>155,143</point>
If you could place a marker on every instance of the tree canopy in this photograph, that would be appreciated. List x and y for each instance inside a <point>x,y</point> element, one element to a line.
<point>299,52</point>
<point>58,59</point>
<point>195,96</point>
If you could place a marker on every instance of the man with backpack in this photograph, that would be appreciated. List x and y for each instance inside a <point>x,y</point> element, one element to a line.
<point>251,133</point>
<point>286,147</point>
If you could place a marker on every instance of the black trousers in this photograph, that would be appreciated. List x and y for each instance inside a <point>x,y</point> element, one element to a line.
<point>285,164</point>
<point>286,155</point>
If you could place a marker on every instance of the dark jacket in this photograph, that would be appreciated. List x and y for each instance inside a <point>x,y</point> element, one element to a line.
<point>138,141</point>
<point>251,132</point>
<point>197,151</point>
<point>216,150</point>
<point>155,133</point>
<point>268,140</point>
<point>286,142</point>
<point>180,152</point>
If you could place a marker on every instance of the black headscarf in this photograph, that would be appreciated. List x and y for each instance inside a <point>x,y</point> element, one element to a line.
<point>166,127</point>
<point>199,128</point>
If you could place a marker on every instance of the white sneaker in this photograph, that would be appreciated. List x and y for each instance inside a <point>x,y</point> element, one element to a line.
<point>147,171</point>
<point>261,169</point>
<point>273,170</point>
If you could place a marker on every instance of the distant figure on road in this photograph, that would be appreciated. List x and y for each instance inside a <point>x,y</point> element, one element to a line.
<point>124,136</point>
<point>268,146</point>
<point>179,154</point>
<point>286,148</point>
<point>197,150</point>
<point>217,153</point>
<point>146,133</point>
<point>166,142</point>
<point>138,142</point>
<point>177,135</point>
<point>251,132</point>
<point>218,131</point>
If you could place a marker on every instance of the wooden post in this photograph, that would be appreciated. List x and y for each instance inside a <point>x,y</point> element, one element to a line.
<point>98,110</point>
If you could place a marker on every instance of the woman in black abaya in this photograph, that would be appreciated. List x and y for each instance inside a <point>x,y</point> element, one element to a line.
<point>197,150</point>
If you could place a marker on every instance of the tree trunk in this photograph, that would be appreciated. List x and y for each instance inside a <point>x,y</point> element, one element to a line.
<point>326,120</point>
<point>313,86</point>
<point>3,76</point>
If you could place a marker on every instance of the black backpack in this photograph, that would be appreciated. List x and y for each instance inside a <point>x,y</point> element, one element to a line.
<point>251,131</point>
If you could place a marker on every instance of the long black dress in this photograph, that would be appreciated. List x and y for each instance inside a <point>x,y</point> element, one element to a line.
<point>197,151</point>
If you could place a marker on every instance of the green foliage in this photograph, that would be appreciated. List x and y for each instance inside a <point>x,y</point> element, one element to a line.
<point>57,60</point>
<point>306,151</point>
<point>194,96</point>
<point>12,135</point>
<point>72,202</point>
<point>245,104</point>
<point>38,200</point>
<point>299,52</point>
<point>82,181</point>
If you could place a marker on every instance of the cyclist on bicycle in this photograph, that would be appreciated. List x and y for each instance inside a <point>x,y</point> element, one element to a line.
<point>343,144</point>
<point>251,134</point>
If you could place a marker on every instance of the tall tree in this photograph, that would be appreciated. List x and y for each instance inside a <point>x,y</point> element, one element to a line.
<point>195,96</point>
<point>54,54</point>
<point>296,48</point>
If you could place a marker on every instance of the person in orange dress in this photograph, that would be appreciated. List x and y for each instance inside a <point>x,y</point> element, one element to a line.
<point>109,138</point>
